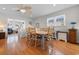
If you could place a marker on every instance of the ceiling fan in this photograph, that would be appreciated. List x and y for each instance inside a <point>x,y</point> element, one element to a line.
<point>24,8</point>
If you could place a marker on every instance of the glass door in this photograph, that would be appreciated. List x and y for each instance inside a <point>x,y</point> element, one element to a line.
<point>15,30</point>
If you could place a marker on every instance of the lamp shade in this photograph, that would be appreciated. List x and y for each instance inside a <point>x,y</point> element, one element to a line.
<point>73,25</point>
<point>73,22</point>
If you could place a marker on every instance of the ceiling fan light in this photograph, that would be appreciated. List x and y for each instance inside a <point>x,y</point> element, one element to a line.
<point>23,10</point>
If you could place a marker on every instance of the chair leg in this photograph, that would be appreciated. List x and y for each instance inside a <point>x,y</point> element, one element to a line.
<point>28,41</point>
<point>35,43</point>
<point>31,42</point>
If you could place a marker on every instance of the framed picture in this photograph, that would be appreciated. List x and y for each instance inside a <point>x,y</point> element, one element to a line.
<point>60,20</point>
<point>56,21</point>
<point>51,21</point>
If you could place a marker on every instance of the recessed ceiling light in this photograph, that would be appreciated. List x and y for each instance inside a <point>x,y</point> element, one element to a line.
<point>54,5</point>
<point>3,8</point>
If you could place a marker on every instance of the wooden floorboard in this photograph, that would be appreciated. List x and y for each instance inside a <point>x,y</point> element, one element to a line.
<point>20,48</point>
<point>65,47</point>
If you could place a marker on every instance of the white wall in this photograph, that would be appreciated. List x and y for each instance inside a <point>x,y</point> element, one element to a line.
<point>72,14</point>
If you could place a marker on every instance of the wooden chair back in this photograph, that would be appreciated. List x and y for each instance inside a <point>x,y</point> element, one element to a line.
<point>50,31</point>
<point>32,30</point>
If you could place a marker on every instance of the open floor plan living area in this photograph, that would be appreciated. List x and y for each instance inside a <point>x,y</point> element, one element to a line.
<point>39,29</point>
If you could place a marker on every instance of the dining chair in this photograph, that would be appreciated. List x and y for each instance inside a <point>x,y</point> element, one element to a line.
<point>46,36</point>
<point>27,36</point>
<point>50,33</point>
<point>32,36</point>
<point>38,37</point>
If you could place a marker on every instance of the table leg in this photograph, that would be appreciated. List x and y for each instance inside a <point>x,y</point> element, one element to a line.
<point>43,42</point>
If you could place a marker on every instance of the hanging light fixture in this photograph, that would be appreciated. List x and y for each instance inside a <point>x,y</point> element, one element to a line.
<point>23,10</point>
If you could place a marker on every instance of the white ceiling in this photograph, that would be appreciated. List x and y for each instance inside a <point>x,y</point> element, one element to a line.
<point>11,10</point>
<point>44,9</point>
<point>37,9</point>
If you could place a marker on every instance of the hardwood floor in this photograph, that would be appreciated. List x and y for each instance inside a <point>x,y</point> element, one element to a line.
<point>64,48</point>
<point>19,48</point>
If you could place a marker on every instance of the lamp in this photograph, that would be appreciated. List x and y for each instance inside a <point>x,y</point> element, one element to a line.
<point>73,24</point>
<point>1,27</point>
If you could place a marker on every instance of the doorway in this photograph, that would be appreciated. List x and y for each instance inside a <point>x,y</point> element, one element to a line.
<point>15,30</point>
